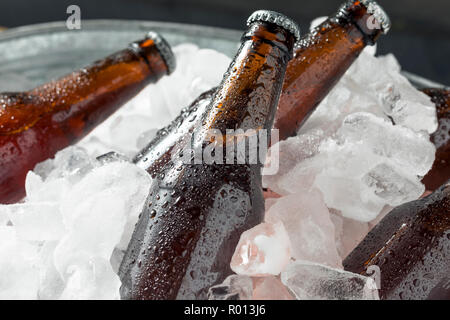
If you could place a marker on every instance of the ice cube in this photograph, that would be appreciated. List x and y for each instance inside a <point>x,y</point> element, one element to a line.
<point>270,288</point>
<point>126,129</point>
<point>308,225</point>
<point>309,281</point>
<point>33,185</point>
<point>119,180</point>
<point>4,215</point>
<point>91,279</point>
<point>210,65</point>
<point>234,287</point>
<point>50,190</point>
<point>292,151</point>
<point>95,229</point>
<point>72,163</point>
<point>301,177</point>
<point>393,187</point>
<point>400,145</point>
<point>349,196</point>
<point>19,276</point>
<point>183,53</point>
<point>198,70</point>
<point>94,145</point>
<point>269,202</point>
<point>349,233</point>
<point>263,250</point>
<point>374,84</point>
<point>51,285</point>
<point>36,221</point>
<point>341,100</point>
<point>397,97</point>
<point>370,163</point>
<point>100,212</point>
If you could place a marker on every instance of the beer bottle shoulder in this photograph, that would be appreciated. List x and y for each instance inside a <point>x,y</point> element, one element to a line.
<point>157,153</point>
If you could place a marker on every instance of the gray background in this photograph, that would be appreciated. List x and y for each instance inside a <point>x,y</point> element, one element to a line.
<point>420,37</point>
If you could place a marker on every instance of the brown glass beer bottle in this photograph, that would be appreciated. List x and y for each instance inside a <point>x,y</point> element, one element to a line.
<point>319,62</point>
<point>185,237</point>
<point>411,248</point>
<point>34,125</point>
<point>323,56</point>
<point>440,172</point>
<point>157,153</point>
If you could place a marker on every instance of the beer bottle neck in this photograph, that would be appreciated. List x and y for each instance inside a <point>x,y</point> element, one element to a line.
<point>248,94</point>
<point>322,57</point>
<point>271,34</point>
<point>97,90</point>
<point>355,14</point>
<point>148,50</point>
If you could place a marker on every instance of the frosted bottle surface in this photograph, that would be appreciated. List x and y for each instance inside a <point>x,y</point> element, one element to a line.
<point>440,172</point>
<point>411,248</point>
<point>34,125</point>
<point>158,152</point>
<point>185,237</point>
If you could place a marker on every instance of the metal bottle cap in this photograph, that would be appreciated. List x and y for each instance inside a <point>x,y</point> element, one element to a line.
<point>373,8</point>
<point>276,18</point>
<point>379,14</point>
<point>164,50</point>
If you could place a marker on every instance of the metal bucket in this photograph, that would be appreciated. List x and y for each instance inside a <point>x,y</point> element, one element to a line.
<point>46,51</point>
<point>32,55</point>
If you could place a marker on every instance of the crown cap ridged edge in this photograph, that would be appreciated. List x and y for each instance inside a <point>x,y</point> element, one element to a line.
<point>378,12</point>
<point>275,18</point>
<point>164,50</point>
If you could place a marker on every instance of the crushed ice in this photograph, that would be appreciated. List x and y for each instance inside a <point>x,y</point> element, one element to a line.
<point>66,240</point>
<point>76,219</point>
<point>362,152</point>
